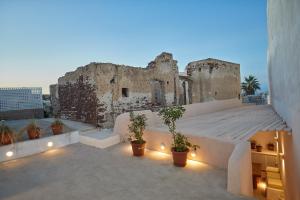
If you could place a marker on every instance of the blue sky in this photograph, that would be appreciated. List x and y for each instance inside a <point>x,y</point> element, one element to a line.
<point>41,40</point>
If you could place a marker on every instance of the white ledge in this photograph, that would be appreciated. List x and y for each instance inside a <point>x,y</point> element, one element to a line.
<point>30,147</point>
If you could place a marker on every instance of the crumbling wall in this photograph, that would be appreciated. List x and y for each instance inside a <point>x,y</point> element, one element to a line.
<point>54,99</point>
<point>119,88</point>
<point>115,89</point>
<point>214,79</point>
<point>78,101</point>
<point>185,90</point>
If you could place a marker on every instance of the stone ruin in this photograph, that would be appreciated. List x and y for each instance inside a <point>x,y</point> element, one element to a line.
<point>98,92</point>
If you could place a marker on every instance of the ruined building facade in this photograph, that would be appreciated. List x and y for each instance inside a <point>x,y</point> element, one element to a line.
<point>98,92</point>
<point>214,79</point>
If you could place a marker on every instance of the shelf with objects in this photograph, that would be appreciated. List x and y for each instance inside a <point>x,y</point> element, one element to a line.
<point>267,168</point>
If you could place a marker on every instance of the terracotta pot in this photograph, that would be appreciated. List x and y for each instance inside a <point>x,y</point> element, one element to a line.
<point>33,133</point>
<point>138,149</point>
<point>57,129</point>
<point>6,139</point>
<point>179,158</point>
<point>271,147</point>
<point>253,144</point>
<point>258,148</point>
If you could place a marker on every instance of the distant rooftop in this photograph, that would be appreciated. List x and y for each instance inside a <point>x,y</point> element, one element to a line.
<point>212,60</point>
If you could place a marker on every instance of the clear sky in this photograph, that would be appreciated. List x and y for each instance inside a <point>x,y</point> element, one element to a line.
<point>42,40</point>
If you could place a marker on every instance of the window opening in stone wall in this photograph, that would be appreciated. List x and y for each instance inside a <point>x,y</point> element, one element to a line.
<point>125,92</point>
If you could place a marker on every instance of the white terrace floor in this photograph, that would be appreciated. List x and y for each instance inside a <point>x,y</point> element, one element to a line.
<point>232,125</point>
<point>83,172</point>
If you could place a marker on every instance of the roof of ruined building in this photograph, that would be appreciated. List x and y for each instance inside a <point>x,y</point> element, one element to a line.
<point>161,57</point>
<point>209,60</point>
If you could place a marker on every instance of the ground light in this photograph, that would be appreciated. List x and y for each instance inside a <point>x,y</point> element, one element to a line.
<point>162,146</point>
<point>262,186</point>
<point>9,154</point>
<point>50,144</point>
<point>193,154</point>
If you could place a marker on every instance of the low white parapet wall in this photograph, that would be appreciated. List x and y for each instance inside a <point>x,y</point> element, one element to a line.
<point>235,158</point>
<point>212,151</point>
<point>239,173</point>
<point>30,147</point>
<point>192,110</point>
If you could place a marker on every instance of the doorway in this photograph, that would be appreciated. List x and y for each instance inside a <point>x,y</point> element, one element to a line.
<point>157,92</point>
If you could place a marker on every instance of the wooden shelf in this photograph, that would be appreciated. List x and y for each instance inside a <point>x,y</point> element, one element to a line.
<point>265,152</point>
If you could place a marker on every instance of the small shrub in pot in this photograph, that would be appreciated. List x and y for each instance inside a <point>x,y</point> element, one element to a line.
<point>33,130</point>
<point>136,128</point>
<point>57,127</point>
<point>180,146</point>
<point>6,134</point>
<point>253,144</point>
<point>258,148</point>
<point>271,146</point>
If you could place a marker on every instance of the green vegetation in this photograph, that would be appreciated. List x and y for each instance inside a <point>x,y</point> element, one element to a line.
<point>57,122</point>
<point>6,134</point>
<point>137,127</point>
<point>169,116</point>
<point>33,126</point>
<point>250,85</point>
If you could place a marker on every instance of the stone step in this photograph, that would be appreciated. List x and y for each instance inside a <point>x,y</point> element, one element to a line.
<point>99,139</point>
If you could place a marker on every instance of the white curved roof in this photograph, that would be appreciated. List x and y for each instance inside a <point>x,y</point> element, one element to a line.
<point>232,125</point>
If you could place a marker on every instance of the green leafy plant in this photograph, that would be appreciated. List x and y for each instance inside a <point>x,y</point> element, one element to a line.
<point>57,122</point>
<point>169,116</point>
<point>136,127</point>
<point>6,134</point>
<point>33,126</point>
<point>250,85</point>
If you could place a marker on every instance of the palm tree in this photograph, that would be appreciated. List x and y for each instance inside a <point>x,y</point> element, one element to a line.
<point>250,85</point>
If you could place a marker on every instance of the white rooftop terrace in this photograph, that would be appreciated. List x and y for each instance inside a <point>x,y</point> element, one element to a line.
<point>83,172</point>
<point>233,125</point>
<point>222,129</point>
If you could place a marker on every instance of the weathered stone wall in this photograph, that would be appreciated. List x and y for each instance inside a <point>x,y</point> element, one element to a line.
<point>54,99</point>
<point>98,92</point>
<point>214,79</point>
<point>117,89</point>
<point>185,90</point>
<point>78,101</point>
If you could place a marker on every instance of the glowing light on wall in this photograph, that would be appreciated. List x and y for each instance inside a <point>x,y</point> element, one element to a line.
<point>262,185</point>
<point>193,154</point>
<point>50,144</point>
<point>9,154</point>
<point>162,146</point>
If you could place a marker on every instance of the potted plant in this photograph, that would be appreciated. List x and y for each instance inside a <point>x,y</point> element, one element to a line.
<point>33,130</point>
<point>271,146</point>
<point>258,148</point>
<point>136,128</point>
<point>253,144</point>
<point>180,146</point>
<point>57,127</point>
<point>6,134</point>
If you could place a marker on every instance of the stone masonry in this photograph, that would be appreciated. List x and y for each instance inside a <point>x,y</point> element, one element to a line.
<point>98,92</point>
<point>214,79</point>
